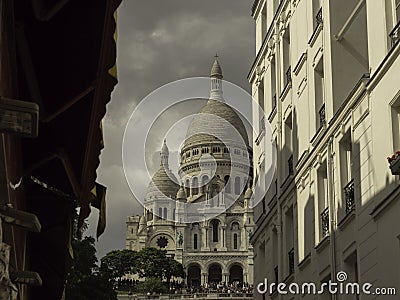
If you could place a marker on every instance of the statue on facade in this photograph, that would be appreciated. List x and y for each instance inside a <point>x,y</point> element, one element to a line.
<point>180,239</point>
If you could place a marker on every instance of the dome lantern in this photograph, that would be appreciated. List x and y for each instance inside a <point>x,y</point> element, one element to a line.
<point>216,81</point>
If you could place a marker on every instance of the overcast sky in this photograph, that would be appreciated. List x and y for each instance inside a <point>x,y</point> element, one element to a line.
<point>160,42</point>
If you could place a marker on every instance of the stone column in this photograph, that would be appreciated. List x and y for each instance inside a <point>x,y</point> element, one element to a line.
<point>225,277</point>
<point>243,239</point>
<point>204,278</point>
<point>204,237</point>
<point>223,237</point>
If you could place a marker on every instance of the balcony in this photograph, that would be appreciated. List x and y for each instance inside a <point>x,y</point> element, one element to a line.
<point>322,117</point>
<point>325,222</point>
<point>291,261</point>
<point>395,35</point>
<point>349,196</point>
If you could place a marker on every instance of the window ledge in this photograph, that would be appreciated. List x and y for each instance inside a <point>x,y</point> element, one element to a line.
<point>346,220</point>
<point>286,90</point>
<point>289,279</point>
<point>318,135</point>
<point>323,243</point>
<point>305,262</point>
<point>272,114</point>
<point>315,35</point>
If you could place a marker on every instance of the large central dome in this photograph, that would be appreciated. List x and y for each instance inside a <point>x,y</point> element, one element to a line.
<point>216,120</point>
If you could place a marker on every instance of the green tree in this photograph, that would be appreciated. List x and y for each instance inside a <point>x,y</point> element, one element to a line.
<point>151,285</point>
<point>173,269</point>
<point>118,263</point>
<point>151,263</point>
<point>85,282</point>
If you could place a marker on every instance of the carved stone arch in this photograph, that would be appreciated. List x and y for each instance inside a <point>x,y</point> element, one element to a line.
<point>235,220</point>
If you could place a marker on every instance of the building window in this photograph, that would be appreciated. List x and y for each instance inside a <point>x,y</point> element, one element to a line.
<point>396,125</point>
<point>237,185</point>
<point>215,226</point>
<point>160,212</point>
<point>204,182</point>
<point>273,83</point>
<point>187,186</point>
<point>322,185</point>
<point>317,13</point>
<point>195,185</point>
<point>287,71</point>
<point>195,241</point>
<point>227,184</point>
<point>346,172</point>
<point>319,95</point>
<point>288,149</point>
<point>205,150</point>
<point>393,21</point>
<point>226,150</point>
<point>165,213</point>
<point>235,241</point>
<point>216,149</point>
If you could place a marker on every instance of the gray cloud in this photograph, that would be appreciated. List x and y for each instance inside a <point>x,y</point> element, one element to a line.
<point>160,42</point>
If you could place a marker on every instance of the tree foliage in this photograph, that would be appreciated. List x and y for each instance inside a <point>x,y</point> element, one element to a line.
<point>118,263</point>
<point>151,285</point>
<point>85,281</point>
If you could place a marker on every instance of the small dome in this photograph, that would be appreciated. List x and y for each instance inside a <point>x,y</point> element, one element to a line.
<point>216,70</point>
<point>181,195</point>
<point>164,183</point>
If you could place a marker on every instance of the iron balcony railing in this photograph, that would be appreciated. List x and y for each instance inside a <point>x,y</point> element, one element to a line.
<point>325,222</point>
<point>288,77</point>
<point>322,117</point>
<point>395,35</point>
<point>274,102</point>
<point>349,195</point>
<point>290,165</point>
<point>291,261</point>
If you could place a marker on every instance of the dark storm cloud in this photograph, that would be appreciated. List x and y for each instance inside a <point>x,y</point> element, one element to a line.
<point>159,42</point>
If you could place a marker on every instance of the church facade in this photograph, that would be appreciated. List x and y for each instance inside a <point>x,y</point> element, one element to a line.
<point>204,219</point>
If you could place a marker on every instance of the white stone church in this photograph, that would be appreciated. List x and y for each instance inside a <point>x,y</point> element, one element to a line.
<point>205,221</point>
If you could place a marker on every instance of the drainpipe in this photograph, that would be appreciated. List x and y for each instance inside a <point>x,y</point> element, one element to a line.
<point>279,160</point>
<point>332,210</point>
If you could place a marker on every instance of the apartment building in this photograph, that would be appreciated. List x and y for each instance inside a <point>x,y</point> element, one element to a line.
<point>326,75</point>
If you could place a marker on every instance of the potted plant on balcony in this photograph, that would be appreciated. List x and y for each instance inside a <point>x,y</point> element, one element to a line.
<point>394,163</point>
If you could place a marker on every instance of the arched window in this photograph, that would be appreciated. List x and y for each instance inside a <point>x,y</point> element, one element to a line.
<point>215,226</point>
<point>195,186</point>
<point>187,186</point>
<point>235,241</point>
<point>160,212</point>
<point>227,184</point>
<point>237,185</point>
<point>204,181</point>
<point>165,213</point>
<point>195,241</point>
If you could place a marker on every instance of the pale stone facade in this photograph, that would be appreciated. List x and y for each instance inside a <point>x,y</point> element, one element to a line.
<point>212,241</point>
<point>327,75</point>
